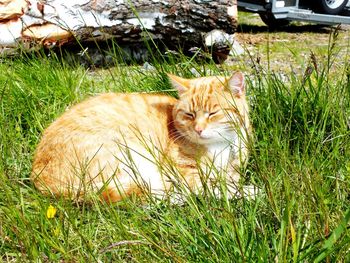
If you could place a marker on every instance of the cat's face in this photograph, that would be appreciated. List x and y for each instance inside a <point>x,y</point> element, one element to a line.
<point>210,109</point>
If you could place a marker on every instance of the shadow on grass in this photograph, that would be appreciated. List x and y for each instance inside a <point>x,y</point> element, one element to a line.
<point>292,28</point>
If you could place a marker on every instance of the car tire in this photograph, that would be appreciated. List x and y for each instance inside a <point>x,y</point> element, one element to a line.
<point>331,7</point>
<point>273,23</point>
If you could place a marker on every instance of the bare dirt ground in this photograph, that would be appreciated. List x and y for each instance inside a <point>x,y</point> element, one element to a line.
<point>289,48</point>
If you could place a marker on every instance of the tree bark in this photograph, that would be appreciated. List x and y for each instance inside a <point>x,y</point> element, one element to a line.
<point>32,24</point>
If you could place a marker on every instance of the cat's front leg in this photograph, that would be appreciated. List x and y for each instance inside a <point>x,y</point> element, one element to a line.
<point>234,191</point>
<point>223,180</point>
<point>234,188</point>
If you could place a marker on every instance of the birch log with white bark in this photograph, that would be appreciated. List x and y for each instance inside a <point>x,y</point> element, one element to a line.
<point>184,23</point>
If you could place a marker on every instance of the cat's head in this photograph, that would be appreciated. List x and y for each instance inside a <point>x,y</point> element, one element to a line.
<point>210,109</point>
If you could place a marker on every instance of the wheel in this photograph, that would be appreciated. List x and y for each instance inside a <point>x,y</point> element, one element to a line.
<point>273,23</point>
<point>331,7</point>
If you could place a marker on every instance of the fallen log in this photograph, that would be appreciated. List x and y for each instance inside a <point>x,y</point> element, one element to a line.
<point>185,24</point>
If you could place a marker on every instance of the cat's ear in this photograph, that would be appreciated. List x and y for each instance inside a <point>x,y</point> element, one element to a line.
<point>180,84</point>
<point>236,84</point>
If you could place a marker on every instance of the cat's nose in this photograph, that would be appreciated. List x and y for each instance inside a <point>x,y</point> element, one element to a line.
<point>198,129</point>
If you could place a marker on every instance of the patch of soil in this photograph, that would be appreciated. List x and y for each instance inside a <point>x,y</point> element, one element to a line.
<point>289,48</point>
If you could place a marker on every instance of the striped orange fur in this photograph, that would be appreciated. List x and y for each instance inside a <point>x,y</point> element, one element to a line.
<point>117,145</point>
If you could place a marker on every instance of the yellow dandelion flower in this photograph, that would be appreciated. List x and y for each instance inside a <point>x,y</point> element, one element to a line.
<point>51,212</point>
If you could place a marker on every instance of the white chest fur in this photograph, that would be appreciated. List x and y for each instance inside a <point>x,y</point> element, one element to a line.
<point>220,153</point>
<point>225,151</point>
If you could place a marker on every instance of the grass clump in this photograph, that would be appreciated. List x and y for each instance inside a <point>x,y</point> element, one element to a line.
<point>300,159</point>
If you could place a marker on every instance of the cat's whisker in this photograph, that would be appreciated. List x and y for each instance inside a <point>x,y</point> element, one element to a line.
<point>179,138</point>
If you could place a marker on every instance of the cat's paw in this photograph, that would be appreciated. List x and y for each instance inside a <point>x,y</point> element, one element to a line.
<point>250,192</point>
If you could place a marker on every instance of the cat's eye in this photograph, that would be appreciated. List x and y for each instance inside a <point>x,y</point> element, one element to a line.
<point>189,115</point>
<point>211,114</point>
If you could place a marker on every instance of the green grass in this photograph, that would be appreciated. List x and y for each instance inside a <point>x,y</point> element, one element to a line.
<point>300,159</point>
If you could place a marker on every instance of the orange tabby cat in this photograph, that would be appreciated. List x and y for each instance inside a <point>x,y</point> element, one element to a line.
<point>122,144</point>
